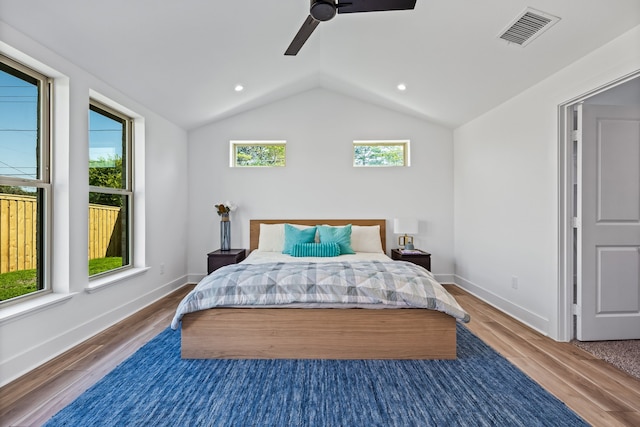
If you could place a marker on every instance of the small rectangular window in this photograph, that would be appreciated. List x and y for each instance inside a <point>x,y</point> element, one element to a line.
<point>258,153</point>
<point>110,189</point>
<point>25,185</point>
<point>380,153</point>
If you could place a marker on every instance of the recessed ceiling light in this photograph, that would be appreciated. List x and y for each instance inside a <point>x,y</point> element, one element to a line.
<point>402,87</point>
<point>238,88</point>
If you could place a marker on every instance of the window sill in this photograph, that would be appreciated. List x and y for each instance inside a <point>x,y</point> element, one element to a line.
<point>112,279</point>
<point>34,305</point>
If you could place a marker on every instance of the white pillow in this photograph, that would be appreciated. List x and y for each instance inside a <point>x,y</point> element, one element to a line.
<point>271,237</point>
<point>366,238</point>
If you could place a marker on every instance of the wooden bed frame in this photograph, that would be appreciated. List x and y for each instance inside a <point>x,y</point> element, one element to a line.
<point>293,333</point>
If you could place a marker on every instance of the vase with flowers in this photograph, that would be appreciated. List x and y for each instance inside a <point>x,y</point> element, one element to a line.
<point>223,210</point>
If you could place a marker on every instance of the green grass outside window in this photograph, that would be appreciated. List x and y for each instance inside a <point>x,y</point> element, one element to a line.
<point>23,282</point>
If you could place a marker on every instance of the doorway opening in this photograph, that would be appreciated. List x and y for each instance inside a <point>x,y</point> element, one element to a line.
<point>626,92</point>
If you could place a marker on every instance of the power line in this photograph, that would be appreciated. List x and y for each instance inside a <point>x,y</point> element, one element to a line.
<point>15,168</point>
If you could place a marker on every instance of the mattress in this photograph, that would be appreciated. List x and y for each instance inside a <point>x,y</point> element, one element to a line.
<point>361,280</point>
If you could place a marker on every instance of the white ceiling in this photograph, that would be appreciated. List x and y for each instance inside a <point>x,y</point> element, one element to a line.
<point>182,58</point>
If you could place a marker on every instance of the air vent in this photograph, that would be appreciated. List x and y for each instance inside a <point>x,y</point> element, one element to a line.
<point>527,26</point>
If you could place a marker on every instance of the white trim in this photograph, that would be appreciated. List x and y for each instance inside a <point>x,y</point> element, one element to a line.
<point>565,330</point>
<point>114,278</point>
<point>565,240</point>
<point>42,181</point>
<point>137,238</point>
<point>233,144</point>
<point>31,358</point>
<point>445,278</point>
<point>404,143</point>
<point>523,315</point>
<point>195,277</point>
<point>33,305</point>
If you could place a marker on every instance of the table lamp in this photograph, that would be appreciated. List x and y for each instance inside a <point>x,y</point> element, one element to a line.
<point>405,226</point>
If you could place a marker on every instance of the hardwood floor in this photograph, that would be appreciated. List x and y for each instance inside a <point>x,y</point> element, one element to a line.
<point>600,393</point>
<point>34,398</point>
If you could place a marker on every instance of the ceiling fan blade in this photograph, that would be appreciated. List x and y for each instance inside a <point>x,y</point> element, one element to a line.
<point>355,6</point>
<point>304,32</point>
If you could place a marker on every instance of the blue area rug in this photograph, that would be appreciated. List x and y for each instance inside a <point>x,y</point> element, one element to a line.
<point>154,387</point>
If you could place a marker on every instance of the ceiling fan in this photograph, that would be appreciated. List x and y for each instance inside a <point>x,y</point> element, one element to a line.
<point>324,10</point>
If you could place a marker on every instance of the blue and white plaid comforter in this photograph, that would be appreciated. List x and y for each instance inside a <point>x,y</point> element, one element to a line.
<point>356,283</point>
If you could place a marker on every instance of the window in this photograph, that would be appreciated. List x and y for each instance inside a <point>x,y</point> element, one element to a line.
<point>110,189</point>
<point>25,184</point>
<point>380,153</point>
<point>258,153</point>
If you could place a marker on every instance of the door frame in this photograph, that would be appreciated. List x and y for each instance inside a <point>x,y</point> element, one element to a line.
<point>566,241</point>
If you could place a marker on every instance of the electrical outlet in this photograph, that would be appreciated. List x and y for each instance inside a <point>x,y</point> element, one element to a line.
<point>162,268</point>
<point>514,282</point>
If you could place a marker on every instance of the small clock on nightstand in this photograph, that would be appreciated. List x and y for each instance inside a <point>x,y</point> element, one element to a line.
<point>416,256</point>
<point>220,258</point>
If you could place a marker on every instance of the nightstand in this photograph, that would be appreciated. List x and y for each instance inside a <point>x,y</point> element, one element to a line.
<point>220,258</point>
<point>422,259</point>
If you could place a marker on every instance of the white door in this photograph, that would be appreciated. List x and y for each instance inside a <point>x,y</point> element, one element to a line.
<point>609,215</point>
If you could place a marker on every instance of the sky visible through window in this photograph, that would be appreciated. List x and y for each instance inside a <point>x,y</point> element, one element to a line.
<point>105,140</point>
<point>18,127</point>
<point>19,130</point>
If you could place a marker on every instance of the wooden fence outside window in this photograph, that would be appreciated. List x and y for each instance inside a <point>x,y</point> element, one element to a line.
<point>18,232</point>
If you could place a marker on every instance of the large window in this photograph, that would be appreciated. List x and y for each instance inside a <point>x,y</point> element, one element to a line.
<point>110,189</point>
<point>25,186</point>
<point>380,153</point>
<point>258,153</point>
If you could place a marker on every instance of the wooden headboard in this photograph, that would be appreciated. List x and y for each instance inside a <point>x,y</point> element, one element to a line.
<point>254,227</point>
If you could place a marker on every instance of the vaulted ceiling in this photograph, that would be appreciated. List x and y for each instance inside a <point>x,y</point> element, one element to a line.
<point>183,58</point>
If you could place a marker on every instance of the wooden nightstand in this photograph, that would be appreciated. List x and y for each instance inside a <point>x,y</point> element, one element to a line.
<point>219,258</point>
<point>422,259</point>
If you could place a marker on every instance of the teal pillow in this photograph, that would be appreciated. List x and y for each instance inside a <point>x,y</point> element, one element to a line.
<point>293,235</point>
<point>339,235</point>
<point>316,249</point>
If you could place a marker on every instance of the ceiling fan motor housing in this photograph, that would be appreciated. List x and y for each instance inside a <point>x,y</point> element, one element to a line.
<point>322,10</point>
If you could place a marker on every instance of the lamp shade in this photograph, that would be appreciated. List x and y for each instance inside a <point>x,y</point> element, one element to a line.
<point>405,226</point>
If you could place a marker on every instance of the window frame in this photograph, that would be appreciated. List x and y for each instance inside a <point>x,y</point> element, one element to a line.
<point>42,181</point>
<point>128,190</point>
<point>233,153</point>
<point>404,143</point>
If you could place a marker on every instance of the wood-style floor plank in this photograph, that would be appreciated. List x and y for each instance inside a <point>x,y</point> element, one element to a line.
<point>599,392</point>
<point>34,398</point>
<point>602,394</point>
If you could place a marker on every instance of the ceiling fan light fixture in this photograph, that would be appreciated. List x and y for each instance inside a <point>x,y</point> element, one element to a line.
<point>322,10</point>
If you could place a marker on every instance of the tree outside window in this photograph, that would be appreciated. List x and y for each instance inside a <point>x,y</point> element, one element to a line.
<point>258,153</point>
<point>380,153</point>
<point>110,189</point>
<point>25,184</point>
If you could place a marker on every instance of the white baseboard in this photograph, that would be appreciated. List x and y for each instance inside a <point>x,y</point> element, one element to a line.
<point>523,315</point>
<point>31,358</point>
<point>445,278</point>
<point>195,277</point>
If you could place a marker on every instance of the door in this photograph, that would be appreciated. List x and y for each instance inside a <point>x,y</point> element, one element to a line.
<point>608,293</point>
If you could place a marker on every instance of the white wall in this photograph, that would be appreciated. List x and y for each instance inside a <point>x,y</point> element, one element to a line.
<point>319,180</point>
<point>31,339</point>
<point>506,188</point>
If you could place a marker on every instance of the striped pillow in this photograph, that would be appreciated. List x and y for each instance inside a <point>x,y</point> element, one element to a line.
<point>316,249</point>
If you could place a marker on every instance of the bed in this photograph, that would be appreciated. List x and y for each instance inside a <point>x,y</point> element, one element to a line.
<point>286,327</point>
